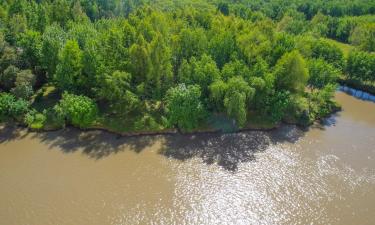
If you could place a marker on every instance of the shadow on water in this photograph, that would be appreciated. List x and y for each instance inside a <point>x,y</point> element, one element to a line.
<point>10,133</point>
<point>326,122</point>
<point>227,150</point>
<point>95,144</point>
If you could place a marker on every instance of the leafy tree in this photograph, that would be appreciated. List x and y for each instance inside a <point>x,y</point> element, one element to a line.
<point>322,73</point>
<point>53,40</point>
<point>255,42</point>
<point>221,47</point>
<point>291,72</point>
<point>202,72</point>
<point>12,107</point>
<point>237,96</point>
<point>364,37</point>
<point>116,88</point>
<point>329,52</point>
<point>16,25</point>
<point>361,66</point>
<point>69,69</point>
<point>161,76</point>
<point>235,68</point>
<point>275,105</point>
<point>25,80</point>
<point>283,43</point>
<point>217,94</point>
<point>8,57</point>
<point>31,44</point>
<point>183,106</point>
<point>189,43</point>
<point>140,60</point>
<point>79,110</point>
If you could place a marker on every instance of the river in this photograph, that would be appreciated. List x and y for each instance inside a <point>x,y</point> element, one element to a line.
<point>323,175</point>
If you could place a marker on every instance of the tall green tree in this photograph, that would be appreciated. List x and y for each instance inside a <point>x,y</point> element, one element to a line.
<point>183,106</point>
<point>69,69</point>
<point>291,72</point>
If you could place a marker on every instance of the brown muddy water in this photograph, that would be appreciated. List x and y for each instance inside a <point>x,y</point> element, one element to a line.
<point>325,175</point>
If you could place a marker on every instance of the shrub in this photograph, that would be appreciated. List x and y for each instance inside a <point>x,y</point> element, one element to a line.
<point>10,107</point>
<point>79,110</point>
<point>35,120</point>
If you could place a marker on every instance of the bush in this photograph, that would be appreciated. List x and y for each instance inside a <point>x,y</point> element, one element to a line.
<point>146,122</point>
<point>35,120</point>
<point>183,106</point>
<point>10,107</point>
<point>361,66</point>
<point>79,110</point>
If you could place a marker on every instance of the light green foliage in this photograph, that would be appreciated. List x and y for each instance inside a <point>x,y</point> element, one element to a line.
<point>364,37</point>
<point>161,76</point>
<point>35,120</point>
<point>140,60</point>
<point>237,96</point>
<point>222,46</point>
<point>243,59</point>
<point>361,66</point>
<point>291,73</point>
<point>320,25</point>
<point>31,44</point>
<point>256,42</point>
<point>283,43</point>
<point>202,72</point>
<point>79,110</point>
<point>236,68</point>
<point>69,69</point>
<point>8,57</point>
<point>321,73</point>
<point>189,43</point>
<point>329,52</point>
<point>321,102</point>
<point>217,94</point>
<point>53,40</point>
<point>183,106</point>
<point>293,22</point>
<point>12,107</point>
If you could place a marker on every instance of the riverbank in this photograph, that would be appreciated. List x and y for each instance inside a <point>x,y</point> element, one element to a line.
<point>323,176</point>
<point>355,84</point>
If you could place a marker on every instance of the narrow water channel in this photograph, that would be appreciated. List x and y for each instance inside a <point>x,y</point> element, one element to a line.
<point>325,175</point>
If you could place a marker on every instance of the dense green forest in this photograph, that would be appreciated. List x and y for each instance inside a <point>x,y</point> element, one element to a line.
<point>139,65</point>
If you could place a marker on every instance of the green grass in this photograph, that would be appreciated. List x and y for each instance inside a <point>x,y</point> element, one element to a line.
<point>45,97</point>
<point>345,48</point>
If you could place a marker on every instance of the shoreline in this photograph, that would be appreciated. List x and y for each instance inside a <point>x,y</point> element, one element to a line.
<point>175,131</point>
<point>356,85</point>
